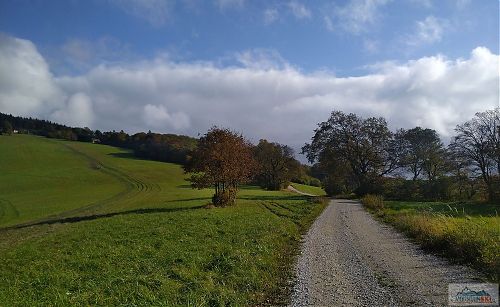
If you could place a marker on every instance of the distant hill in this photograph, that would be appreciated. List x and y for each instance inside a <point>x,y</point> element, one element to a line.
<point>153,146</point>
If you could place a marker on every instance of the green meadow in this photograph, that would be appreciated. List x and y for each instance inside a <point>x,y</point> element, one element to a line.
<point>463,232</point>
<point>309,189</point>
<point>86,224</point>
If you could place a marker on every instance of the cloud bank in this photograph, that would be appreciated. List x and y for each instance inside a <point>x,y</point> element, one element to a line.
<point>277,102</point>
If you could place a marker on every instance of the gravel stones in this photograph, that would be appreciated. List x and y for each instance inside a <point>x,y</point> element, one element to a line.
<point>350,259</point>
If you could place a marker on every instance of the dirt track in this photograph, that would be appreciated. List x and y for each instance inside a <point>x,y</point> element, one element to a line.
<point>350,259</point>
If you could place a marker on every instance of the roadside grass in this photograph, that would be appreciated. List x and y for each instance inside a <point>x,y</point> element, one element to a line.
<point>147,241</point>
<point>467,233</point>
<point>309,189</point>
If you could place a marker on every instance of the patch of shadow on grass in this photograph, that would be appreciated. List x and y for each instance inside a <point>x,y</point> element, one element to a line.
<point>76,219</point>
<point>125,155</point>
<point>188,199</point>
<point>250,187</point>
<point>271,198</point>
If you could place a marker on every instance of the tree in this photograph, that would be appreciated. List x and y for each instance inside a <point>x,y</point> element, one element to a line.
<point>422,152</point>
<point>276,164</point>
<point>365,146</point>
<point>7,127</point>
<point>223,159</point>
<point>463,176</point>
<point>478,142</point>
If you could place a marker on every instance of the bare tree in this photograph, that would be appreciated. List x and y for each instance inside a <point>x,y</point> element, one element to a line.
<point>478,142</point>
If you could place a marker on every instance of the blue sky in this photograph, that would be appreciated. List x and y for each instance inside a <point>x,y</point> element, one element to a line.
<point>313,35</point>
<point>270,69</point>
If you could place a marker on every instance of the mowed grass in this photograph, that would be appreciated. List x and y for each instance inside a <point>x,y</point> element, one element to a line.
<point>309,189</point>
<point>464,232</point>
<point>39,177</point>
<point>145,240</point>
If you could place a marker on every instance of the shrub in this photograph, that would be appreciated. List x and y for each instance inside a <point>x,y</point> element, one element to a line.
<point>224,198</point>
<point>374,202</point>
<point>315,182</point>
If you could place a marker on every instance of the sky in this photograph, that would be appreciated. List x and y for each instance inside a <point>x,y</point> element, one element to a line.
<point>268,69</point>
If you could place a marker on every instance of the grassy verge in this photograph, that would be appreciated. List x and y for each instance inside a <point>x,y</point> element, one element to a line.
<point>465,233</point>
<point>309,189</point>
<point>145,240</point>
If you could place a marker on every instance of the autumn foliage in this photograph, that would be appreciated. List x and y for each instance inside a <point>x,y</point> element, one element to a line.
<point>223,160</point>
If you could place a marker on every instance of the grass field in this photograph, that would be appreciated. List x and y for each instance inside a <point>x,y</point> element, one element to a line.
<point>309,189</point>
<point>464,232</point>
<point>87,224</point>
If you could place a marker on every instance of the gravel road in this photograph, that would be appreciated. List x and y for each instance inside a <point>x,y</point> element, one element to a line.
<point>350,259</point>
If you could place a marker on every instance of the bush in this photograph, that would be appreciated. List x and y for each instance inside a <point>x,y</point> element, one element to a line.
<point>315,182</point>
<point>224,198</point>
<point>374,202</point>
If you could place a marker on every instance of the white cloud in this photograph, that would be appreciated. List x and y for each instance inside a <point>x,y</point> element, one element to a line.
<point>276,102</point>
<point>78,49</point>
<point>84,54</point>
<point>26,84</point>
<point>158,116</point>
<point>262,59</point>
<point>428,31</point>
<point>329,23</point>
<point>271,15</point>
<point>299,10</point>
<point>156,12</point>
<point>78,111</point>
<point>358,16</point>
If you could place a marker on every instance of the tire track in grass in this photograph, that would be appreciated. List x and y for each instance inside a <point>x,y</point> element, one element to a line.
<point>7,209</point>
<point>274,208</point>
<point>133,188</point>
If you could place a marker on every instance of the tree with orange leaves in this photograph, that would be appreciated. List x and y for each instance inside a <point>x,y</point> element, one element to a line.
<point>223,159</point>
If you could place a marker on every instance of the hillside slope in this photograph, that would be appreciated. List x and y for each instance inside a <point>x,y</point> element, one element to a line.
<point>44,178</point>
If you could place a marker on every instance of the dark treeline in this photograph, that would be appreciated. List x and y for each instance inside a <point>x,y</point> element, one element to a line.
<point>161,147</point>
<point>362,156</point>
<point>152,146</point>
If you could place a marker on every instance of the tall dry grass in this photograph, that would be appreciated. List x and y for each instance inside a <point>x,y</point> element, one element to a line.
<point>471,240</point>
<point>374,202</point>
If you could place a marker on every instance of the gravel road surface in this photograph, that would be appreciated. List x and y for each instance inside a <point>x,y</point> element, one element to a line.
<point>350,259</point>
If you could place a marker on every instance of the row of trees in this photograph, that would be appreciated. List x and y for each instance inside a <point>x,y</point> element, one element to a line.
<point>6,128</point>
<point>224,160</point>
<point>354,154</point>
<point>153,146</point>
